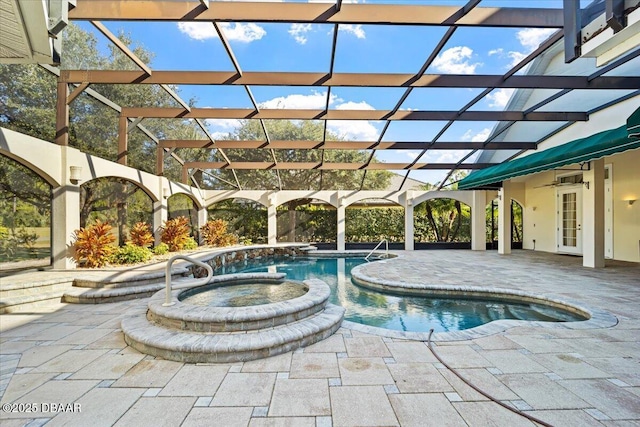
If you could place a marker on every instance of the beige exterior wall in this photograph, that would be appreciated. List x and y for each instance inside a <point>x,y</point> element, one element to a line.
<point>540,210</point>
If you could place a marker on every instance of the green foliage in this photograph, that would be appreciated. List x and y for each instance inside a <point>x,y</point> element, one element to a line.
<point>243,217</point>
<point>183,205</point>
<point>288,130</point>
<point>190,244</point>
<point>307,223</point>
<point>442,220</point>
<point>140,235</point>
<point>373,224</point>
<point>94,244</point>
<point>131,254</point>
<point>175,233</point>
<point>214,233</point>
<point>161,249</point>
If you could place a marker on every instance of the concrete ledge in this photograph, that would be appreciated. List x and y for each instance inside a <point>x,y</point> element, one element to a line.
<point>191,317</point>
<point>127,279</point>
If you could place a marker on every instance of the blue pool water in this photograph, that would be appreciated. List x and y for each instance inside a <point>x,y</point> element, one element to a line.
<point>402,313</point>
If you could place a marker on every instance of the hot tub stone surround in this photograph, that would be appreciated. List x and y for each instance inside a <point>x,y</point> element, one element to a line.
<point>189,333</point>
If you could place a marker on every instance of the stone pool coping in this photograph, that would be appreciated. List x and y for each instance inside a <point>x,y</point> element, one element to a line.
<point>597,318</point>
<point>193,317</point>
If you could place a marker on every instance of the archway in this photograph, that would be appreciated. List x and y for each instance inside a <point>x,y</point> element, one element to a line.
<point>118,201</point>
<point>181,204</point>
<point>25,217</point>
<point>309,221</point>
<point>517,213</point>
<point>245,218</point>
<point>369,221</point>
<point>442,223</point>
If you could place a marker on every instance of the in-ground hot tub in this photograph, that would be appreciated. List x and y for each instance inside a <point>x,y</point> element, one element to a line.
<point>268,320</point>
<point>243,295</point>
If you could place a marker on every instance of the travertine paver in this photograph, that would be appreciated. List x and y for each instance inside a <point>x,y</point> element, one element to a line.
<point>196,380</point>
<point>314,365</point>
<point>303,397</point>
<point>592,374</point>
<point>172,411</point>
<point>228,417</point>
<point>364,371</point>
<point>361,406</point>
<point>245,389</point>
<point>418,410</point>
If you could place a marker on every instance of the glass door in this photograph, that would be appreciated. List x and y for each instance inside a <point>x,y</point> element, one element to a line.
<point>570,220</point>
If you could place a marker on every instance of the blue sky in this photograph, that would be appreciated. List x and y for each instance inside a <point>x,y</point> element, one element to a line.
<point>306,47</point>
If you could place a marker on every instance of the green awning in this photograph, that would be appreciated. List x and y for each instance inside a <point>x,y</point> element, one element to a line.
<point>581,150</point>
<point>633,124</point>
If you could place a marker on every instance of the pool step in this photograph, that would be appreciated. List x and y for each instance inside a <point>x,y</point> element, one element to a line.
<point>200,347</point>
<point>127,279</point>
<point>80,295</point>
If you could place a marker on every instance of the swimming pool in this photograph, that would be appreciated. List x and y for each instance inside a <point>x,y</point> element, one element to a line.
<point>401,313</point>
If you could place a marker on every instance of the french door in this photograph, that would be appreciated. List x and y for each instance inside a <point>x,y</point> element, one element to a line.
<point>570,220</point>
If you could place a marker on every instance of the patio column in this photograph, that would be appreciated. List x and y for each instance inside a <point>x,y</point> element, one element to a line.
<point>272,224</point>
<point>593,215</point>
<point>342,213</point>
<point>478,221</point>
<point>203,216</point>
<point>408,226</point>
<point>504,218</point>
<point>160,215</point>
<point>65,218</point>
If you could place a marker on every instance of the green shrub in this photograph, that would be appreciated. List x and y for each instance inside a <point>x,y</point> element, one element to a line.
<point>175,233</point>
<point>190,244</point>
<point>140,234</point>
<point>161,249</point>
<point>131,254</point>
<point>94,244</point>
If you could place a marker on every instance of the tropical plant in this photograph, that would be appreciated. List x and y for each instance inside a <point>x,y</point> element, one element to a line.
<point>190,244</point>
<point>94,244</point>
<point>175,233</point>
<point>161,249</point>
<point>131,254</point>
<point>214,233</point>
<point>140,235</point>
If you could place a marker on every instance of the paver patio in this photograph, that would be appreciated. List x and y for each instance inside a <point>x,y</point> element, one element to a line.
<point>568,377</point>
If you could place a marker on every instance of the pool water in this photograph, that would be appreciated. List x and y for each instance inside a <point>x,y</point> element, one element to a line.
<point>243,295</point>
<point>402,313</point>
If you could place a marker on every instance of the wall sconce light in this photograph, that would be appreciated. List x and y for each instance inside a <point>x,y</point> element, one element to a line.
<point>75,174</point>
<point>410,202</point>
<point>631,201</point>
<point>534,208</point>
<point>165,193</point>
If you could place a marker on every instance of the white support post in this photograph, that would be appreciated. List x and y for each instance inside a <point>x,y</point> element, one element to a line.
<point>202,220</point>
<point>65,218</point>
<point>341,227</point>
<point>272,223</point>
<point>408,226</point>
<point>160,215</point>
<point>504,219</point>
<point>593,215</point>
<point>479,221</point>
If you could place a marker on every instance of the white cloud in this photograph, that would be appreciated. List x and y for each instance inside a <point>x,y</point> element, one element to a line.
<point>359,130</point>
<point>456,60</point>
<point>240,32</point>
<point>499,98</point>
<point>531,38</point>
<point>476,136</point>
<point>498,51</point>
<point>315,101</point>
<point>356,30</point>
<point>298,32</point>
<point>350,105</point>
<point>223,126</point>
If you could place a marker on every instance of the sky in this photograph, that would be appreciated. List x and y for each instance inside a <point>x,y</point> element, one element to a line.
<point>360,48</point>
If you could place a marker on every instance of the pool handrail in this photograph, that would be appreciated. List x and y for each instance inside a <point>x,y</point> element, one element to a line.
<point>386,242</point>
<point>198,282</point>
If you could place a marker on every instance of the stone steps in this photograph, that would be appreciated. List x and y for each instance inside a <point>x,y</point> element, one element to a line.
<point>127,279</point>
<point>199,347</point>
<point>20,297</point>
<point>79,295</point>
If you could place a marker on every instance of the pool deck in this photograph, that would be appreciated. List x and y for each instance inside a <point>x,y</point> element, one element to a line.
<point>75,354</point>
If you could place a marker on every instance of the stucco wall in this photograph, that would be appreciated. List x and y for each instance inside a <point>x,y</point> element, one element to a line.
<point>626,218</point>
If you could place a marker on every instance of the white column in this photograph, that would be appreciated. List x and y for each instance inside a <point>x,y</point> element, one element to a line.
<point>272,224</point>
<point>593,215</point>
<point>504,218</point>
<point>65,207</point>
<point>160,215</point>
<point>479,221</point>
<point>341,227</point>
<point>408,226</point>
<point>202,220</point>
